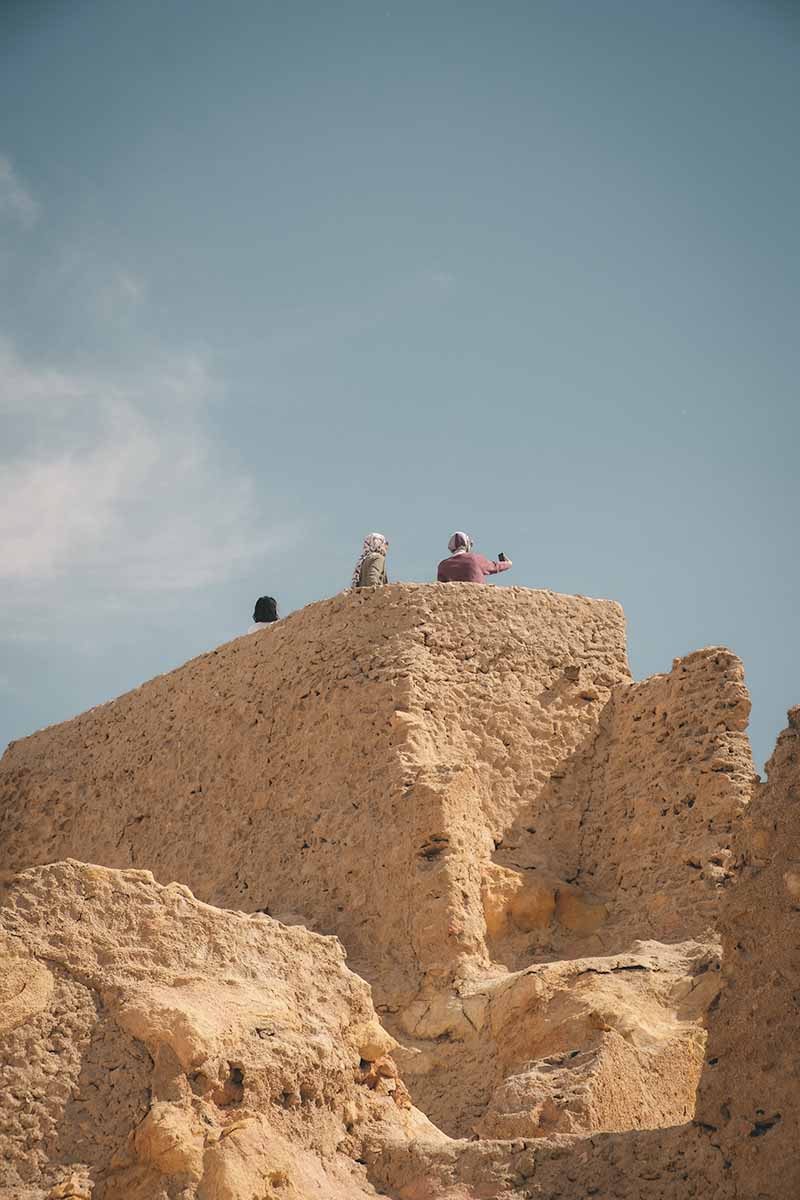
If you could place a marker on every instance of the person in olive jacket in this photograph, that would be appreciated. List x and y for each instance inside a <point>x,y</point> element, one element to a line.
<point>370,570</point>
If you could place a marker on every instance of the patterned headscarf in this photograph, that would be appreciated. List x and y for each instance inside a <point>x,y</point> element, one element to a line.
<point>374,543</point>
<point>460,543</point>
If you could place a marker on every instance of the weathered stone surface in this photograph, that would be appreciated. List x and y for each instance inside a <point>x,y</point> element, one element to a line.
<point>571,1047</point>
<point>379,742</point>
<point>175,1049</point>
<point>749,1098</point>
<point>600,1044</point>
<point>642,817</point>
<point>743,1142</point>
<point>526,854</point>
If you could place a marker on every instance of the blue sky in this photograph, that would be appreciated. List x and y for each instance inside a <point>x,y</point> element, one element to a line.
<point>275,275</point>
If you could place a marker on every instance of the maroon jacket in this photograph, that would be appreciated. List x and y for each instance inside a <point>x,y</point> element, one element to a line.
<point>468,568</point>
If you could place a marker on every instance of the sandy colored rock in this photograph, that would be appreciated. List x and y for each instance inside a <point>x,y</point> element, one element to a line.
<point>183,1050</point>
<point>643,816</point>
<point>571,1047</point>
<point>743,1142</point>
<point>390,735</point>
<point>579,912</point>
<point>516,901</point>
<point>749,1098</point>
<point>26,987</point>
<point>171,1139</point>
<point>526,854</point>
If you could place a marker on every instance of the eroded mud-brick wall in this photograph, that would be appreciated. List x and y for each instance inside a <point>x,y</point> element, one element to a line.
<point>406,767</point>
<point>671,774</point>
<point>749,1097</point>
<point>742,1144</point>
<point>641,818</point>
<point>353,763</point>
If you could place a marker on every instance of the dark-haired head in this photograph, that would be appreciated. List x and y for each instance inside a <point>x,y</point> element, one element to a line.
<point>266,610</point>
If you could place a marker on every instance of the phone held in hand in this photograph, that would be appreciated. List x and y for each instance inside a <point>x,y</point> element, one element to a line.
<point>501,557</point>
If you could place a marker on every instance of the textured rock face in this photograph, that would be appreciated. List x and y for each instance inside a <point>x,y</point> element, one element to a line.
<point>155,1047</point>
<point>673,774</point>
<point>749,1100</point>
<point>642,817</point>
<point>743,1142</point>
<point>565,1048</point>
<point>605,1043</point>
<point>380,742</point>
<point>526,854</point>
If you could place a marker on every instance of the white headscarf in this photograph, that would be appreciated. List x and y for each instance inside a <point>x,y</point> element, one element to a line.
<point>460,543</point>
<point>374,543</point>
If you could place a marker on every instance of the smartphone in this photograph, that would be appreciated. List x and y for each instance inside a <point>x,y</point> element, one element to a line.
<point>501,557</point>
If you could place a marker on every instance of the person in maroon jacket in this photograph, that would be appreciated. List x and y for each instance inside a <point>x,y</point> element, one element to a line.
<point>464,565</point>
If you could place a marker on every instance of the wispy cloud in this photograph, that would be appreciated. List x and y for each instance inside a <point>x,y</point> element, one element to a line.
<point>16,202</point>
<point>115,488</point>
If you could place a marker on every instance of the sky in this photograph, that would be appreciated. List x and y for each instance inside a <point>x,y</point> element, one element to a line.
<point>274,275</point>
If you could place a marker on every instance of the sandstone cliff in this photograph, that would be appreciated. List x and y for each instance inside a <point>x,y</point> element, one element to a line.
<point>749,1093</point>
<point>155,1047</point>
<point>380,739</point>
<point>527,855</point>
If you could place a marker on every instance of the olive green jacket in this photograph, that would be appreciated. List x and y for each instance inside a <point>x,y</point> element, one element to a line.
<point>373,571</point>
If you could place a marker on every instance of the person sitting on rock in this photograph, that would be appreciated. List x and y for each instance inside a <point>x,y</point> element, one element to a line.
<point>464,565</point>
<point>370,570</point>
<point>264,613</point>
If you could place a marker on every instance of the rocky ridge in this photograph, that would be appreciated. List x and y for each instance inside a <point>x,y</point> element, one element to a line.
<point>529,858</point>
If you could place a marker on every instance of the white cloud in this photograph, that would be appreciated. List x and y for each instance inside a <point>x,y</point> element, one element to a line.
<point>115,489</point>
<point>15,199</point>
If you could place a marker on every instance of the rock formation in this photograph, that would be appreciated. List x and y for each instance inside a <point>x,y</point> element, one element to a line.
<point>385,738</point>
<point>529,858</point>
<point>748,1097</point>
<point>158,1047</point>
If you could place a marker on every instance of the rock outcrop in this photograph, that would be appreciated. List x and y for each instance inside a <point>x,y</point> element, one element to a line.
<point>742,1144</point>
<point>380,740</point>
<point>528,857</point>
<point>156,1047</point>
<point>749,1097</point>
